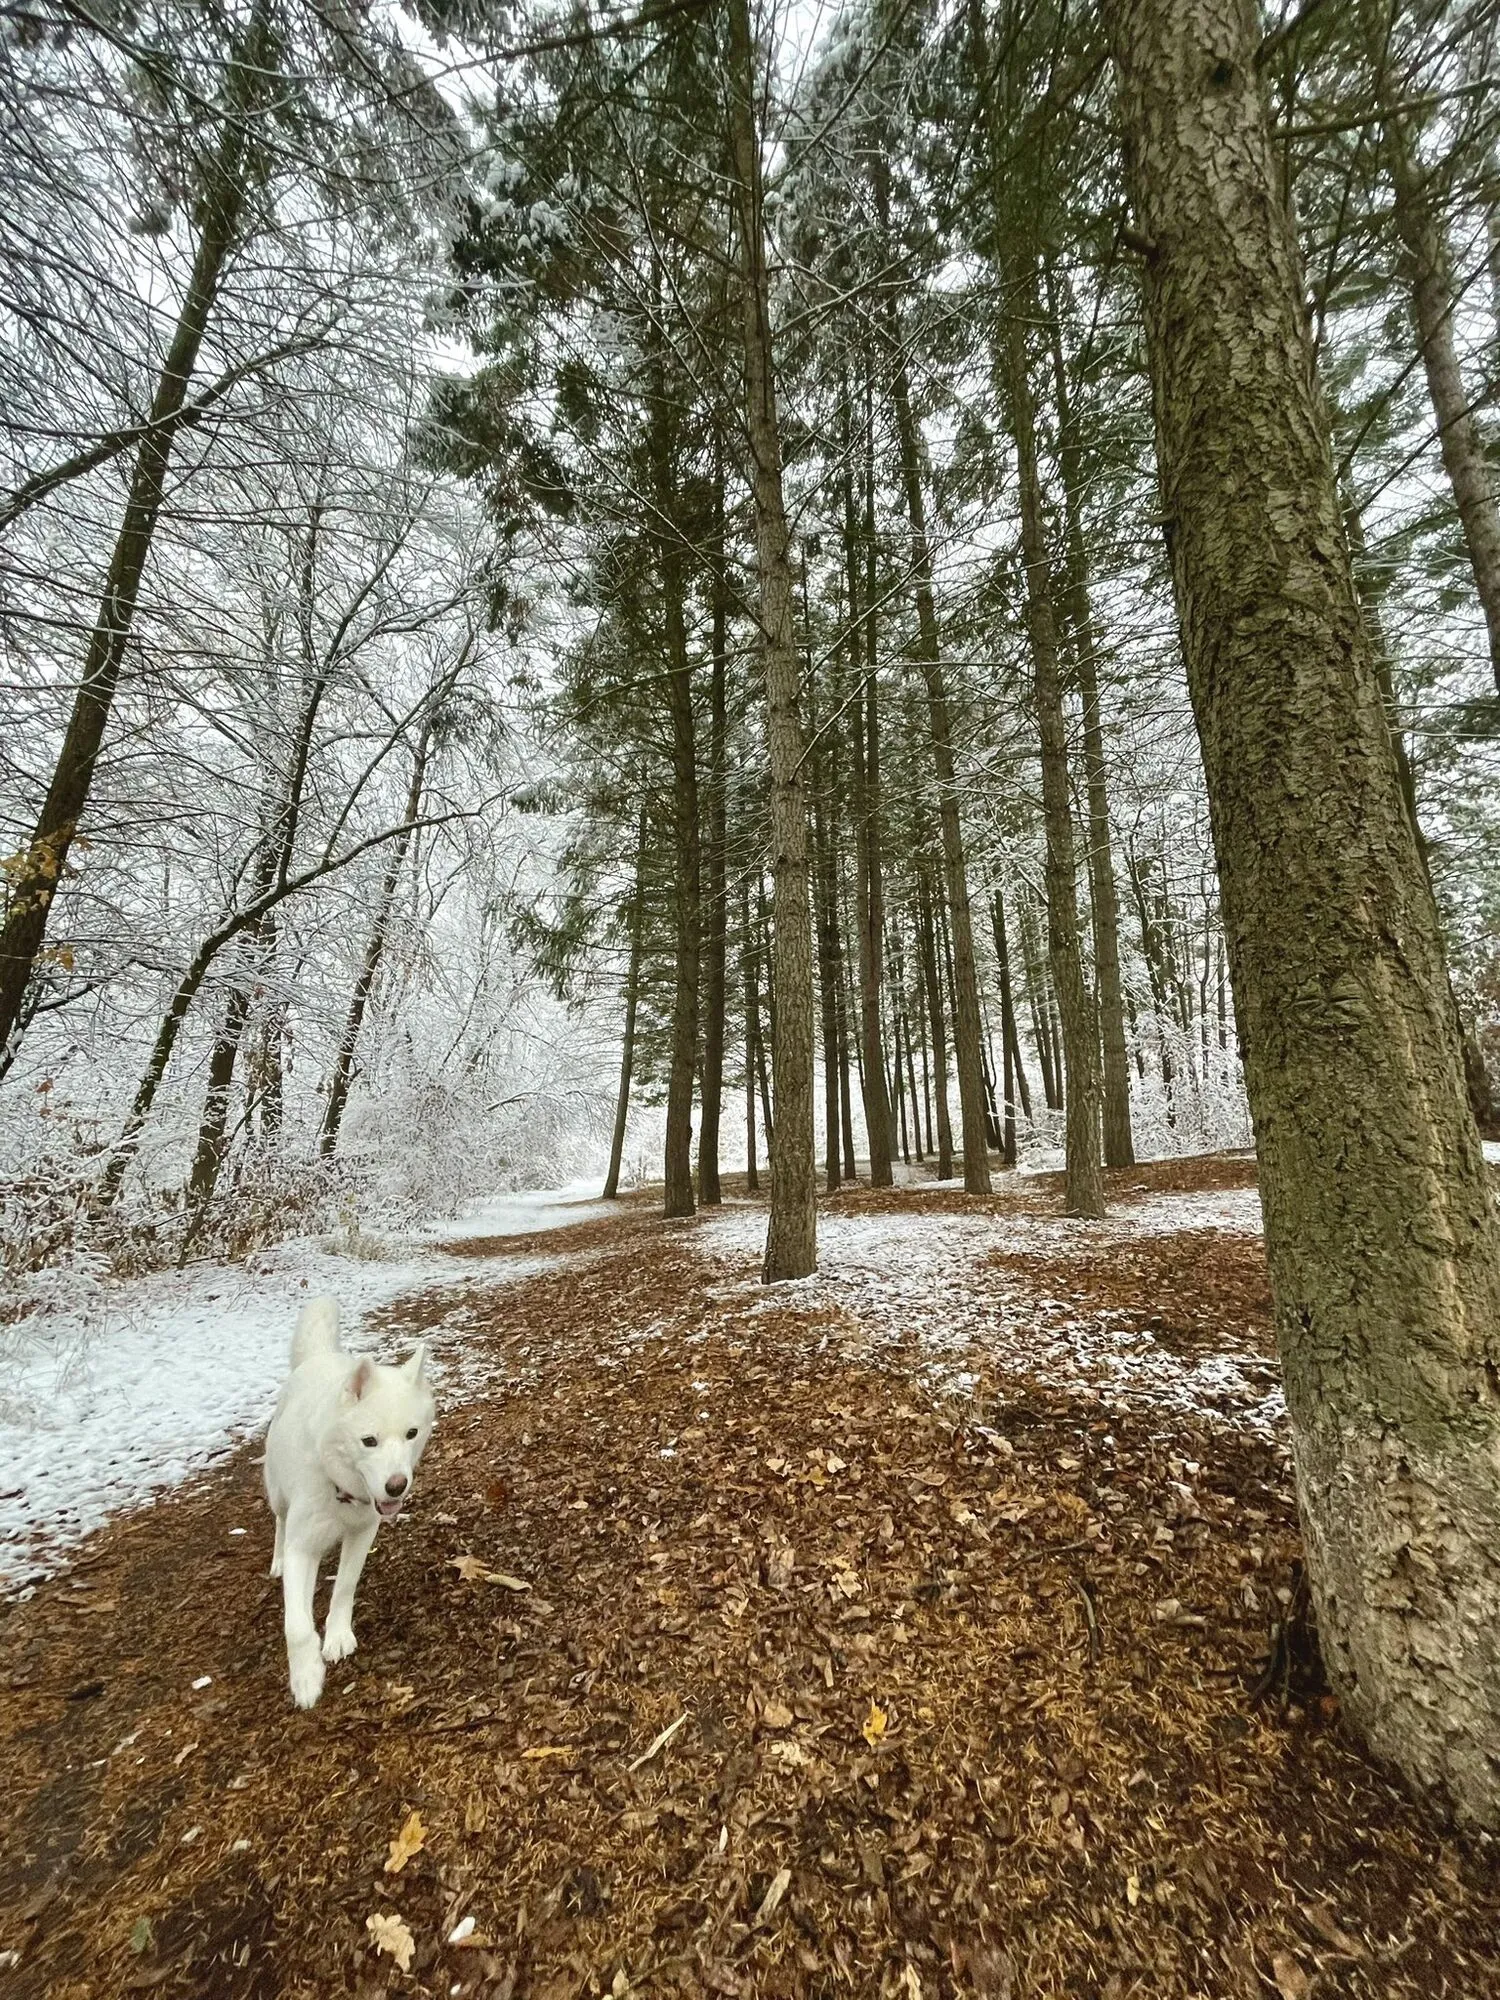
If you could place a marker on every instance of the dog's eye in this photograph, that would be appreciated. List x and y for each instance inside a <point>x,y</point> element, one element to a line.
<point>369,1443</point>
<point>412,1432</point>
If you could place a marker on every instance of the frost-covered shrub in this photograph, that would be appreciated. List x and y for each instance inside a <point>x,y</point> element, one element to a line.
<point>429,1147</point>
<point>1188,1101</point>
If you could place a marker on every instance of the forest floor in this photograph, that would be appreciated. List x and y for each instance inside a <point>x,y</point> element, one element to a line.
<point>904,1632</point>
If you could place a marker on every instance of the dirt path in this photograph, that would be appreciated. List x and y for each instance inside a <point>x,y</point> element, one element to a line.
<point>833,1673</point>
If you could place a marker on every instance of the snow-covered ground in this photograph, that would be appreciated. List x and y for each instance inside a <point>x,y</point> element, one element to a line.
<point>526,1214</point>
<point>114,1391</point>
<point>923,1279</point>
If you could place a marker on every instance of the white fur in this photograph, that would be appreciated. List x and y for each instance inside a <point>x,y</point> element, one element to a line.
<point>342,1426</point>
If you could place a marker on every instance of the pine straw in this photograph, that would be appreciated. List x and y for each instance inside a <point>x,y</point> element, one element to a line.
<point>960,1694</point>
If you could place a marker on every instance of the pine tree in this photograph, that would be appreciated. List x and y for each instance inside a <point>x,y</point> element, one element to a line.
<point>1380,1231</point>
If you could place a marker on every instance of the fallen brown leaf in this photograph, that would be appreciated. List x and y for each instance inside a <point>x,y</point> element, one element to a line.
<point>391,1936</point>
<point>1292,1983</point>
<point>409,1841</point>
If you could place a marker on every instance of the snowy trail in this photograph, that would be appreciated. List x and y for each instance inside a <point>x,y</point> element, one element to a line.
<point>107,1402</point>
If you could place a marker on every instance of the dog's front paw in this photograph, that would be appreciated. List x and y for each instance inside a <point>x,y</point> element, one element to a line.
<point>306,1674</point>
<point>338,1642</point>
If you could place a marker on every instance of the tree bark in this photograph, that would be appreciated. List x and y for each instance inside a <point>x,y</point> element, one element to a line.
<point>898,1067</point>
<point>764,956</point>
<point>869,897</point>
<point>716,927</point>
<point>791,1239</point>
<point>1119,1144</point>
<point>1080,1028</point>
<point>1420,227</point>
<point>686,827</point>
<point>1008,1010</point>
<point>36,874</point>
<point>1037,1003</point>
<point>928,1140</point>
<point>752,1032</point>
<point>632,998</point>
<point>846,1109</point>
<point>966,1024</point>
<point>934,987</point>
<point>829,971</point>
<point>208,1157</point>
<point>1381,1236</point>
<point>1155,957</point>
<point>203,1177</point>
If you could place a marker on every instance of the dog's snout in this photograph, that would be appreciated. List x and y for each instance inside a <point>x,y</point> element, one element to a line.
<point>396,1485</point>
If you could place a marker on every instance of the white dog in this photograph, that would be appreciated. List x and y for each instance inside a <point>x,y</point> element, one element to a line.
<point>340,1454</point>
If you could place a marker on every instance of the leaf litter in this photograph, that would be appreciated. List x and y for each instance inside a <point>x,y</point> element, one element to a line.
<point>872,1648</point>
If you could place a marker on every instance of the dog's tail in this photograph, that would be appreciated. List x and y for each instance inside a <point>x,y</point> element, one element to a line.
<point>317,1330</point>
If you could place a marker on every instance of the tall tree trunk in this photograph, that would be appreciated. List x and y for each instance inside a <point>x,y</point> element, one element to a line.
<point>1080,1028</point>
<point>869,896</point>
<point>36,874</point>
<point>846,1108</point>
<point>1008,1009</point>
<point>1419,224</point>
<point>316,674</point>
<point>343,1065</point>
<point>1010,1151</point>
<point>162,1049</point>
<point>203,1177</point>
<point>828,1004</point>
<point>208,1157</point>
<point>1119,1145</point>
<point>632,997</point>
<point>766,1034</point>
<point>833,955</point>
<point>686,827</point>
<point>911,1080</point>
<point>1151,949</point>
<point>716,926</point>
<point>265,1087</point>
<point>901,1012</point>
<point>1381,1235</point>
<point>992,1119</point>
<point>751,938</point>
<point>966,1024</point>
<point>898,1067</point>
<point>928,1140</point>
<point>829,973</point>
<point>791,1240</point>
<point>934,986</point>
<point>1037,1001</point>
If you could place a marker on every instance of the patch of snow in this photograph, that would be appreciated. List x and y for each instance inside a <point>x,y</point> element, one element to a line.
<point>527,1213</point>
<point>1492,1151</point>
<point>107,1400</point>
<point>927,1281</point>
<point>1164,1214</point>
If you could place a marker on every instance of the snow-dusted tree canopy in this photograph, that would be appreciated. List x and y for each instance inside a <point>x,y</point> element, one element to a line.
<point>394,352</point>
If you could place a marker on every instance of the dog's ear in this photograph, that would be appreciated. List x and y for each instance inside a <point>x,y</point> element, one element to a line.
<point>415,1368</point>
<point>360,1380</point>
